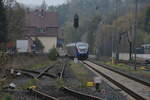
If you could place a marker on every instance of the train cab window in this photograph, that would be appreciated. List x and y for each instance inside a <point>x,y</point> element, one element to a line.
<point>82,46</point>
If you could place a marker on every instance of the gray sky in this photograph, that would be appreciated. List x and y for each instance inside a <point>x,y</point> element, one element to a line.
<point>38,2</point>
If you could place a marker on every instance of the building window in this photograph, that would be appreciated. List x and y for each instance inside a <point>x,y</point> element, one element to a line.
<point>40,30</point>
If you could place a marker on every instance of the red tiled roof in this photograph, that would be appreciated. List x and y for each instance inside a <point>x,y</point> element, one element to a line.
<point>32,31</point>
<point>41,19</point>
<point>43,35</point>
<point>35,19</point>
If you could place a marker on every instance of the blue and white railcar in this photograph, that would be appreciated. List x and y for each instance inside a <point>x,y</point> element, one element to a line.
<point>79,50</point>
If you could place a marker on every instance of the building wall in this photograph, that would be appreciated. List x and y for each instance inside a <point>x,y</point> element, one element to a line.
<point>48,42</point>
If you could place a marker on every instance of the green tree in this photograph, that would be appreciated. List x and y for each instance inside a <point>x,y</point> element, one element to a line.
<point>147,20</point>
<point>38,44</point>
<point>53,54</point>
<point>3,23</point>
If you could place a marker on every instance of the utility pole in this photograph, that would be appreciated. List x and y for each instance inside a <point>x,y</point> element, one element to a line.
<point>113,53</point>
<point>114,40</point>
<point>63,38</point>
<point>135,31</point>
<point>117,33</point>
<point>130,35</point>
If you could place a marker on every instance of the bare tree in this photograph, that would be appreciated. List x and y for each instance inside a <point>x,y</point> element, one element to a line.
<point>15,17</point>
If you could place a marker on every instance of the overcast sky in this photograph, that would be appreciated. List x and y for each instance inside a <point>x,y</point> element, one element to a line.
<point>38,2</point>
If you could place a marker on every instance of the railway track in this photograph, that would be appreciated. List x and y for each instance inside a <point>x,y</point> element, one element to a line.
<point>27,72</point>
<point>134,88</point>
<point>62,71</point>
<point>80,94</point>
<point>123,74</point>
<point>32,89</point>
<point>42,94</point>
<point>38,92</point>
<point>66,90</point>
<point>44,71</point>
<point>76,93</point>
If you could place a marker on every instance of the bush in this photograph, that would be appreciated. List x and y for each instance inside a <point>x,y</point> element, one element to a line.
<point>3,58</point>
<point>53,54</point>
<point>6,97</point>
<point>38,45</point>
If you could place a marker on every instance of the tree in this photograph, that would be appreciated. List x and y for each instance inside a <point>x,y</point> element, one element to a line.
<point>53,54</point>
<point>16,19</point>
<point>99,35</point>
<point>44,6</point>
<point>3,23</point>
<point>9,3</point>
<point>38,45</point>
<point>147,20</point>
<point>91,32</point>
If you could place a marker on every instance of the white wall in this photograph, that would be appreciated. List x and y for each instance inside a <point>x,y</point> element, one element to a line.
<point>48,42</point>
<point>125,56</point>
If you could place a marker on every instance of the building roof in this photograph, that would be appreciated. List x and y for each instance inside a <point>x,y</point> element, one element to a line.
<point>41,18</point>
<point>41,23</point>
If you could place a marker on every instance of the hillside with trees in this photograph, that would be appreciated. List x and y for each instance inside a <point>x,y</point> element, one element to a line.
<point>11,22</point>
<point>102,20</point>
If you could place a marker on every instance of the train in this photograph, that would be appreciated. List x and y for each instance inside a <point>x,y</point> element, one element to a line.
<point>78,50</point>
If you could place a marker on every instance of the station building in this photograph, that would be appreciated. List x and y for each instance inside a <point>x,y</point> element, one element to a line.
<point>42,25</point>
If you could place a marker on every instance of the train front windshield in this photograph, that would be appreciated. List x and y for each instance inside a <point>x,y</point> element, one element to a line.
<point>83,48</point>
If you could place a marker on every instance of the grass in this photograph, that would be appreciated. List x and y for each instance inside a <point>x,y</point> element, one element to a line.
<point>2,82</point>
<point>81,74</point>
<point>130,69</point>
<point>6,96</point>
<point>120,65</point>
<point>41,65</point>
<point>60,82</point>
<point>38,66</point>
<point>29,83</point>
